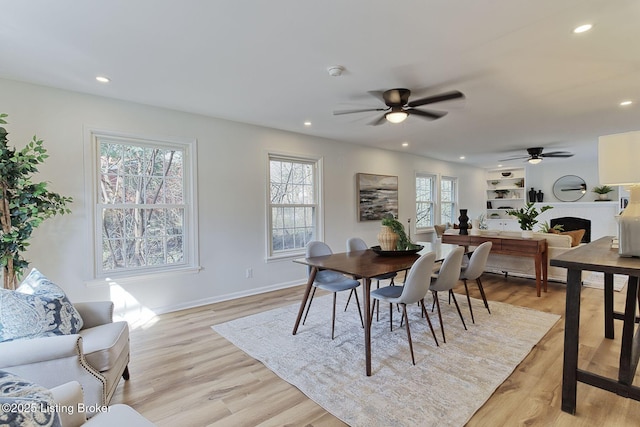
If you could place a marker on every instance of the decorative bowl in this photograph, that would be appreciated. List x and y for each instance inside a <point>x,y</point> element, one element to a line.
<point>506,174</point>
<point>380,252</point>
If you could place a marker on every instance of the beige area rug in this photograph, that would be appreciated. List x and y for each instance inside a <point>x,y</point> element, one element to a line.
<point>446,387</point>
<point>595,279</point>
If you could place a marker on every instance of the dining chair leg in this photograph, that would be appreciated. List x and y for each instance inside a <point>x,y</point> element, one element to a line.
<point>435,298</point>
<point>458,308</point>
<point>424,313</point>
<point>333,317</point>
<point>391,317</point>
<point>359,309</point>
<point>348,299</point>
<point>309,305</point>
<point>378,309</point>
<point>404,314</point>
<point>484,297</point>
<point>466,289</point>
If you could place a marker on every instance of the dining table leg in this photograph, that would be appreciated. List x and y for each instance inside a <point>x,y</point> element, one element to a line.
<point>366,290</point>
<point>307,291</point>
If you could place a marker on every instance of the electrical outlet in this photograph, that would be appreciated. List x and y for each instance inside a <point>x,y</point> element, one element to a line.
<point>249,273</point>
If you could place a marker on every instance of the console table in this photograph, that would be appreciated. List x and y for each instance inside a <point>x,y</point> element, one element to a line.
<point>535,248</point>
<point>599,256</point>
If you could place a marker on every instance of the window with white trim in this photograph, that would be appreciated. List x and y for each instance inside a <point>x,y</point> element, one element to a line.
<point>448,199</point>
<point>145,213</point>
<point>425,200</point>
<point>293,213</point>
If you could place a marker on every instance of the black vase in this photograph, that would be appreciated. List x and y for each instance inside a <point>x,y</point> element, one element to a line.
<point>532,195</point>
<point>540,196</point>
<point>464,221</point>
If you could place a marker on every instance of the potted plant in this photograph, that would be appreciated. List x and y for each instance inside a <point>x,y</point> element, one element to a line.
<point>23,203</point>
<point>402,241</point>
<point>545,227</point>
<point>527,217</point>
<point>602,191</point>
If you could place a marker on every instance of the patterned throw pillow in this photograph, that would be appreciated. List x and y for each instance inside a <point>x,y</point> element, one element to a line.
<point>26,404</point>
<point>37,308</point>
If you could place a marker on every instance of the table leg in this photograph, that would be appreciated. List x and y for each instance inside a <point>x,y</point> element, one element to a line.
<point>312,277</point>
<point>608,306</point>
<point>366,297</point>
<point>571,331</point>
<point>627,362</point>
<point>545,267</point>
<point>538,265</point>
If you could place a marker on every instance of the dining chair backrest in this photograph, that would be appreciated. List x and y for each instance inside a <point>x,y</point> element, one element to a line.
<point>477,262</point>
<point>356,244</point>
<point>450,271</point>
<point>418,279</point>
<point>316,248</point>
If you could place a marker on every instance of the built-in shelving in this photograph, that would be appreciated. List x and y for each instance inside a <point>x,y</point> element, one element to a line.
<point>505,189</point>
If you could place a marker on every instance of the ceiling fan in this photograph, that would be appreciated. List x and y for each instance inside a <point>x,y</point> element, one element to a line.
<point>536,155</point>
<point>398,107</point>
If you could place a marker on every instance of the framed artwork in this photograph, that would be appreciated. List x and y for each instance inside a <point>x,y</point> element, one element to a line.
<point>377,196</point>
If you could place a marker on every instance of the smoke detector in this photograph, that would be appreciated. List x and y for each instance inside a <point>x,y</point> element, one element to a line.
<point>335,70</point>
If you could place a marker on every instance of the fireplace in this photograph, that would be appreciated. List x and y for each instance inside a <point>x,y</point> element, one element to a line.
<point>570,223</point>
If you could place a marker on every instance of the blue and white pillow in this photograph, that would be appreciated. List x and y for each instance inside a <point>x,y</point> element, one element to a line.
<point>37,308</point>
<point>26,404</point>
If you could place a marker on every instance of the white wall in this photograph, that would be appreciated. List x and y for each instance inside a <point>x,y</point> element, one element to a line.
<point>232,192</point>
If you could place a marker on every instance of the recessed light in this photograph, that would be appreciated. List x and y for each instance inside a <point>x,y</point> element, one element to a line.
<point>462,157</point>
<point>625,103</point>
<point>307,123</point>
<point>103,79</point>
<point>499,166</point>
<point>405,144</point>
<point>582,28</point>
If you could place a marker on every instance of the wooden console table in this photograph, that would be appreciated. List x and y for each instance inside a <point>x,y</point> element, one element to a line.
<point>599,256</point>
<point>535,248</point>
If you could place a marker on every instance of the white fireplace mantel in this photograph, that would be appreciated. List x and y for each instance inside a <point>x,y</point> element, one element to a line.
<point>601,214</point>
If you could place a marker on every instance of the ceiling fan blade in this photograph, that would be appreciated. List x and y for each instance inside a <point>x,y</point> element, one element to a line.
<point>557,154</point>
<point>436,98</point>
<point>364,110</point>
<point>514,158</point>
<point>382,119</point>
<point>426,114</point>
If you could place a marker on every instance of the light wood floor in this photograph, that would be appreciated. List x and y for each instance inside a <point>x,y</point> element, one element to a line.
<point>183,373</point>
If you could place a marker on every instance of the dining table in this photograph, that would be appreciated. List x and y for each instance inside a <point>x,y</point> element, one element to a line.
<point>367,264</point>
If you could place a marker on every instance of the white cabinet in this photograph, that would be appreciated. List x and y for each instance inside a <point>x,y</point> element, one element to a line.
<point>505,189</point>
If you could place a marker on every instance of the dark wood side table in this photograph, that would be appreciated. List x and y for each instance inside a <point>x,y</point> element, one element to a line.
<point>599,256</point>
<point>535,248</point>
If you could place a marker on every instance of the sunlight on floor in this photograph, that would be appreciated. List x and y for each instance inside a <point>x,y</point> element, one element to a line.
<point>128,308</point>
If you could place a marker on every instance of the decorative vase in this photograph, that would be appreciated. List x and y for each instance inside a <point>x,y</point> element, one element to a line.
<point>475,227</point>
<point>540,196</point>
<point>388,239</point>
<point>532,195</point>
<point>464,221</point>
<point>527,234</point>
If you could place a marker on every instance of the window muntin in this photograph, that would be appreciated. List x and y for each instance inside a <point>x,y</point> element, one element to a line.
<point>145,218</point>
<point>293,204</point>
<point>425,200</point>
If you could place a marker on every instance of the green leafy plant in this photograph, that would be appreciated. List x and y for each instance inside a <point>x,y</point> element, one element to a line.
<point>602,189</point>
<point>527,215</point>
<point>404,243</point>
<point>545,227</point>
<point>23,203</point>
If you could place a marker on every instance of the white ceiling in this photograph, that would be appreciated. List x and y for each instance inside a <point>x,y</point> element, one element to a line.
<point>528,80</point>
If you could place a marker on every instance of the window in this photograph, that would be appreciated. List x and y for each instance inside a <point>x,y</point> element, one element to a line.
<point>293,204</point>
<point>448,198</point>
<point>145,209</point>
<point>425,200</point>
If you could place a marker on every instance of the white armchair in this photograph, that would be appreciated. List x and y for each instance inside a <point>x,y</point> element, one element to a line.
<point>96,357</point>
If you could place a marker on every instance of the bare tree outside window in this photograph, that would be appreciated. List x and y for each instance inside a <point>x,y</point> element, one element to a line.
<point>293,203</point>
<point>141,204</point>
<point>448,199</point>
<point>425,200</point>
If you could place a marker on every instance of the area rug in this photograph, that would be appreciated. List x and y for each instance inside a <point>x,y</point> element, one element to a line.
<point>595,279</point>
<point>447,385</point>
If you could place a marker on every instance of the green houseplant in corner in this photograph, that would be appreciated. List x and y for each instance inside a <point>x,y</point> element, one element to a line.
<point>23,203</point>
<point>527,217</point>
<point>602,191</point>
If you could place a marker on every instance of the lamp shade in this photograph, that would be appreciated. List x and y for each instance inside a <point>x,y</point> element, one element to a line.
<point>618,158</point>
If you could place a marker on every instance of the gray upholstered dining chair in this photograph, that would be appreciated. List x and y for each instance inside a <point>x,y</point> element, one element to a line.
<point>473,270</point>
<point>446,280</point>
<point>331,281</point>
<point>416,287</point>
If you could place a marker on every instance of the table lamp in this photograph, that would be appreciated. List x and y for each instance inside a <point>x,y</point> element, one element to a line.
<point>618,156</point>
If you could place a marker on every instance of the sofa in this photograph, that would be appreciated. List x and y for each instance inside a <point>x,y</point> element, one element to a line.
<point>50,341</point>
<point>524,267</point>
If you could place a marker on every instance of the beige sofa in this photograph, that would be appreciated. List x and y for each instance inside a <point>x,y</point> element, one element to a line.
<point>524,267</point>
<point>96,357</point>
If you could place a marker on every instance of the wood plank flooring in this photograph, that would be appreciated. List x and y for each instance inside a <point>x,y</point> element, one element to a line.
<point>183,373</point>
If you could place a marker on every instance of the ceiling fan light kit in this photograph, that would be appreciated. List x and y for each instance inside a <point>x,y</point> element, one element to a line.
<point>396,116</point>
